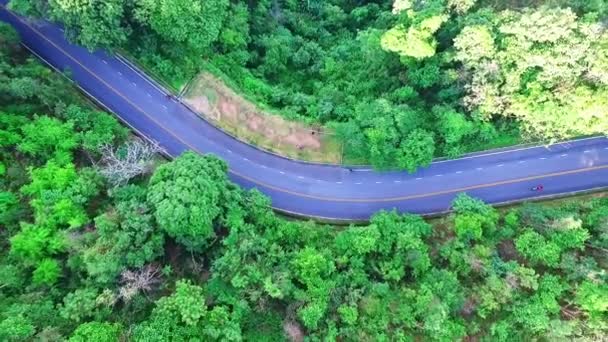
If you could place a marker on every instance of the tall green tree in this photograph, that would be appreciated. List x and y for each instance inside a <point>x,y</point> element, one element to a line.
<point>188,196</point>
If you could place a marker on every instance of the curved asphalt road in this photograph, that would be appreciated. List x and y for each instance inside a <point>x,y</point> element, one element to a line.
<point>313,190</point>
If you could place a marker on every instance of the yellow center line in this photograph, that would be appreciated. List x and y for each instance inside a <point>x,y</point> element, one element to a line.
<point>321,198</point>
<point>443,192</point>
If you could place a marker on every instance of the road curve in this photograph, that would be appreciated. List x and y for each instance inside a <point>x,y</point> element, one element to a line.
<point>306,189</point>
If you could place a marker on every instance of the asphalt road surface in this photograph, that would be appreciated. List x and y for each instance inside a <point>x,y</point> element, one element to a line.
<point>314,190</point>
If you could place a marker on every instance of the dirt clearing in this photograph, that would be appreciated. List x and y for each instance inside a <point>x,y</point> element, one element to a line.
<point>213,100</point>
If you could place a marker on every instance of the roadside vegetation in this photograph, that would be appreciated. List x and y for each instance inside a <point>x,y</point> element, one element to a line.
<point>399,82</point>
<point>102,241</point>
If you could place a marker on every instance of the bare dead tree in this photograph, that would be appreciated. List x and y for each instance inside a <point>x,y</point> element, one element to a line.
<point>293,331</point>
<point>134,158</point>
<point>140,280</point>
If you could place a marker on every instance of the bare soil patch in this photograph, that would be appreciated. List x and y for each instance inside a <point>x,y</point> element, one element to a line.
<point>213,100</point>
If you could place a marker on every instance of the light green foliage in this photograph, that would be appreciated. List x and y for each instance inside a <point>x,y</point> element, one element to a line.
<point>539,73</point>
<point>417,42</point>
<point>16,328</point>
<point>559,235</point>
<point>469,226</point>
<point>593,298</point>
<point>311,266</point>
<point>187,303</point>
<point>47,272</point>
<point>461,6</point>
<point>34,243</point>
<point>59,194</point>
<point>188,195</point>
<point>475,45</point>
<point>48,138</point>
<point>10,129</point>
<point>97,331</point>
<point>348,314</point>
<point>416,39</point>
<point>535,247</point>
<point>569,234</point>
<point>312,313</point>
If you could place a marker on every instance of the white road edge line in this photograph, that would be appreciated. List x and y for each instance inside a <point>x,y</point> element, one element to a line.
<point>458,171</point>
<point>564,155</point>
<point>546,147</point>
<point>140,73</point>
<point>419,178</point>
<point>586,151</point>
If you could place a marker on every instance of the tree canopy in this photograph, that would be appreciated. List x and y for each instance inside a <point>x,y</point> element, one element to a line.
<point>175,251</point>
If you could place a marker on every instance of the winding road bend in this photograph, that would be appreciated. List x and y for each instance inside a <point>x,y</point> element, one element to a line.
<point>314,190</point>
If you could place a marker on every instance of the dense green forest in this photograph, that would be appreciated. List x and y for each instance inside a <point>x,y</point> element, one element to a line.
<point>399,82</point>
<point>101,240</point>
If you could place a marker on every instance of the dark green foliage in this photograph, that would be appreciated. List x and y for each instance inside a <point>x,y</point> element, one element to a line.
<point>126,236</point>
